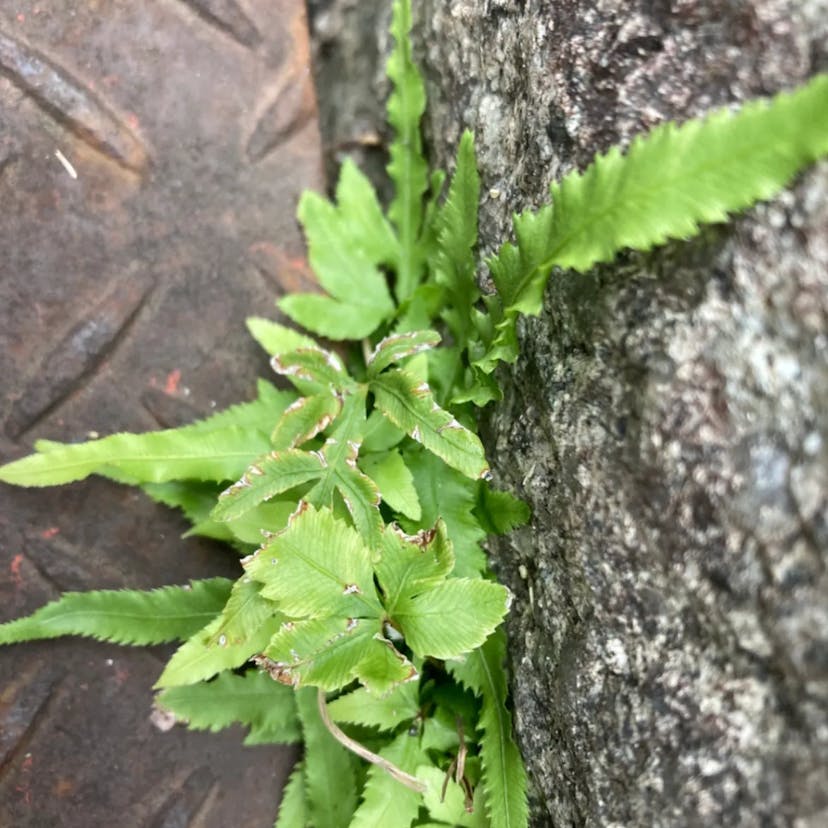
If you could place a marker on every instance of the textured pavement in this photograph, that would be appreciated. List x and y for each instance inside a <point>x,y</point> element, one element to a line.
<point>151,158</point>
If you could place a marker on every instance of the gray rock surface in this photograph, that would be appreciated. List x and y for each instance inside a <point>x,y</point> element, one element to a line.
<point>667,420</point>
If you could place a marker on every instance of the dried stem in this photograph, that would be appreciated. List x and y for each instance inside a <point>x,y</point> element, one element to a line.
<point>360,750</point>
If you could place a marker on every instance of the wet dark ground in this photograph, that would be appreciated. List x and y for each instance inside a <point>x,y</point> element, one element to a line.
<point>151,157</point>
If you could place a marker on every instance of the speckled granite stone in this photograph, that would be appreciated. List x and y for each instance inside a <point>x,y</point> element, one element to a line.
<point>667,420</point>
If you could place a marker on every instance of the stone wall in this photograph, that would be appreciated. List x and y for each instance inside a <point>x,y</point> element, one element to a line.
<point>667,421</point>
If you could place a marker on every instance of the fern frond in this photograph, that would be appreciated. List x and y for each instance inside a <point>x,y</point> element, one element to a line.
<point>202,656</point>
<point>504,776</point>
<point>347,242</point>
<point>293,809</point>
<point>277,339</point>
<point>667,184</point>
<point>456,239</point>
<point>407,168</point>
<point>155,457</point>
<point>125,616</point>
<point>251,699</point>
<point>385,802</point>
<point>410,406</point>
<point>678,177</point>
<point>215,449</point>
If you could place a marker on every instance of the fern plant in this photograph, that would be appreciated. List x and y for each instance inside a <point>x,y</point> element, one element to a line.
<point>359,500</point>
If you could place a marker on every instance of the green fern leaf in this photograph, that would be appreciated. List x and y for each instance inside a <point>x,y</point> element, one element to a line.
<point>407,168</point>
<point>447,495</point>
<point>329,769</point>
<point>451,618</point>
<point>244,613</point>
<point>313,370</point>
<point>385,713</point>
<point>317,568</point>
<point>277,339</point>
<point>380,433</point>
<point>202,656</point>
<point>359,492</point>
<point>410,565</point>
<point>678,177</point>
<point>437,617</point>
<point>457,237</point>
<point>331,652</point>
<point>504,776</point>
<point>346,243</point>
<point>500,512</point>
<point>148,458</point>
<point>247,530</point>
<point>410,405</point>
<point>667,184</point>
<point>293,809</point>
<point>333,318</point>
<point>125,616</point>
<point>252,699</point>
<point>398,346</point>
<point>362,216</point>
<point>264,735</point>
<point>304,419</point>
<point>394,481</point>
<point>270,475</point>
<point>385,802</point>
<point>197,500</point>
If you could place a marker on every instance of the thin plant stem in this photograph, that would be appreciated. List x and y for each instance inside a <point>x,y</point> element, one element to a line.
<point>360,750</point>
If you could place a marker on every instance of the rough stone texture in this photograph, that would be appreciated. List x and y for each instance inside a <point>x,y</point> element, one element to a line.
<point>666,421</point>
<point>350,40</point>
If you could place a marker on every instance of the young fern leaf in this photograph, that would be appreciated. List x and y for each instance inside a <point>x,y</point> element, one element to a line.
<point>346,243</point>
<point>678,177</point>
<point>125,616</point>
<point>504,777</point>
<point>251,699</point>
<point>667,184</point>
<point>407,168</point>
